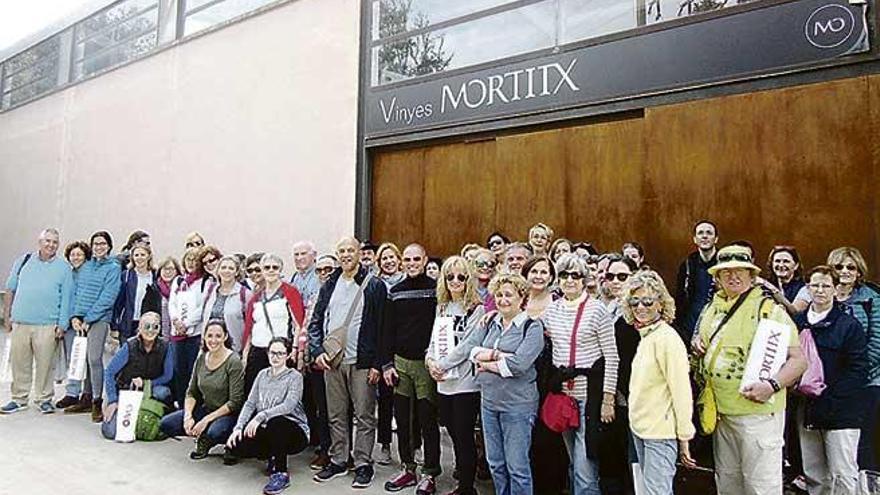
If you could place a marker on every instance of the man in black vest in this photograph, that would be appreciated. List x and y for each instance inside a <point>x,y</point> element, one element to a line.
<point>146,356</point>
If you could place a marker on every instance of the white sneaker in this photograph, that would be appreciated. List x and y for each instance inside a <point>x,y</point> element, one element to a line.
<point>383,457</point>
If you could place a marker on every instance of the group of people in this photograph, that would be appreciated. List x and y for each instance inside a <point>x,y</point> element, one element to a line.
<point>533,355</point>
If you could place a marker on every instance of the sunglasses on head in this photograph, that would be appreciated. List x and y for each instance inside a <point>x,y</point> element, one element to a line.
<point>849,266</point>
<point>619,276</point>
<point>461,277</point>
<point>641,301</point>
<point>571,275</point>
<point>724,258</point>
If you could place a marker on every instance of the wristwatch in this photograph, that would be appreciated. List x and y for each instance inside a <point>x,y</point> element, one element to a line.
<point>773,383</point>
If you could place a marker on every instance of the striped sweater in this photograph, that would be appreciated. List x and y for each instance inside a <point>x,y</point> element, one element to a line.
<point>595,339</point>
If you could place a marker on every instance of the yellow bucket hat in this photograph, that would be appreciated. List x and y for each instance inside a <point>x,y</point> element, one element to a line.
<point>734,257</point>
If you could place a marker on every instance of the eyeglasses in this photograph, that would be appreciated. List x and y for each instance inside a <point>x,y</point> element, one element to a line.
<point>150,327</point>
<point>641,301</point>
<point>253,269</point>
<point>724,258</point>
<point>484,264</point>
<point>277,354</point>
<point>849,266</point>
<point>461,277</point>
<point>571,275</point>
<point>414,259</point>
<point>99,243</point>
<point>619,276</point>
<point>271,268</point>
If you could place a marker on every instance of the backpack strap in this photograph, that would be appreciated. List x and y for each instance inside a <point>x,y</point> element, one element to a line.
<point>27,258</point>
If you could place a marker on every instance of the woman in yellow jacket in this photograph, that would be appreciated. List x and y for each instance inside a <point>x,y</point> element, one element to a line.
<point>660,404</point>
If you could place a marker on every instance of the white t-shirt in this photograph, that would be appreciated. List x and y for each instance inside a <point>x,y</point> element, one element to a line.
<point>279,315</point>
<point>144,281</point>
<point>814,317</point>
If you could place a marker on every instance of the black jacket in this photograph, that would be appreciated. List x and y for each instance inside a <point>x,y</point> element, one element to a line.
<point>841,343</point>
<point>692,273</point>
<point>409,319</point>
<point>371,322</point>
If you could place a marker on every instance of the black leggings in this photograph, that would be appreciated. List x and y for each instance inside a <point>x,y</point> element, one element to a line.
<point>276,439</point>
<point>430,432</point>
<point>258,359</point>
<point>459,413</point>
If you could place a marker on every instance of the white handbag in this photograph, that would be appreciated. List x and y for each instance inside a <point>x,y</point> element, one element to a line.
<point>77,368</point>
<point>127,414</point>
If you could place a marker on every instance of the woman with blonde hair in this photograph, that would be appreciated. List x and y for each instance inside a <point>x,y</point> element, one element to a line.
<point>660,402</point>
<point>389,259</point>
<point>459,310</point>
<point>133,299</point>
<point>194,240</point>
<point>226,300</point>
<point>540,237</point>
<point>169,271</point>
<point>860,298</point>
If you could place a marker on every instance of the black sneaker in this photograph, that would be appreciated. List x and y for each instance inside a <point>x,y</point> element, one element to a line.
<point>229,459</point>
<point>203,445</point>
<point>329,472</point>
<point>363,477</point>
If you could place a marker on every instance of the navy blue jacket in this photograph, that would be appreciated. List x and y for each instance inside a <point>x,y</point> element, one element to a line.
<point>123,310</point>
<point>841,343</point>
<point>371,322</point>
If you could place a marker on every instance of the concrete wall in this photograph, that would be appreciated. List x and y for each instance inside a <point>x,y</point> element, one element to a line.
<point>247,134</point>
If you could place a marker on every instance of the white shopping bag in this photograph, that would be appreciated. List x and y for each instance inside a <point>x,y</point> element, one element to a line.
<point>768,353</point>
<point>127,414</point>
<point>5,358</point>
<point>77,368</point>
<point>444,341</point>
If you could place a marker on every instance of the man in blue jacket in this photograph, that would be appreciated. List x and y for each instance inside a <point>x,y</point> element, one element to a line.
<point>94,296</point>
<point>37,313</point>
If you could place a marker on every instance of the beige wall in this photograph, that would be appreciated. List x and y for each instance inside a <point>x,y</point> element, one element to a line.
<point>247,134</point>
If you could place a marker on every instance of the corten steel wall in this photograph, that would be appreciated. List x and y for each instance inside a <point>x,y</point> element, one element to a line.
<point>247,134</point>
<point>790,166</point>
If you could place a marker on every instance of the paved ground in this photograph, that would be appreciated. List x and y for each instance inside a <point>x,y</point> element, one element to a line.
<point>66,454</point>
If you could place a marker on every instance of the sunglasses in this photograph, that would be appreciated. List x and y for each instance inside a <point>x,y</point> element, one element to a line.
<point>495,243</point>
<point>641,301</point>
<point>619,276</point>
<point>460,277</point>
<point>484,264</point>
<point>414,259</point>
<point>208,261</point>
<point>571,275</point>
<point>849,266</point>
<point>271,268</point>
<point>277,354</point>
<point>326,269</point>
<point>253,269</point>
<point>150,327</point>
<point>193,244</point>
<point>724,258</point>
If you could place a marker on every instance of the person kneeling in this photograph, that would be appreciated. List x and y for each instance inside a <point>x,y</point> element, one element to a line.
<point>272,423</point>
<point>146,356</point>
<point>214,396</point>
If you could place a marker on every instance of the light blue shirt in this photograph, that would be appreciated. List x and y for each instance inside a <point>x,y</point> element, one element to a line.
<point>43,291</point>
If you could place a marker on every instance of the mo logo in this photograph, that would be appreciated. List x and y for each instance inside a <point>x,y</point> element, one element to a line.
<point>829,26</point>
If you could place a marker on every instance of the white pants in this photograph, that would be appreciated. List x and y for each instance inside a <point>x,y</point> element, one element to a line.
<point>748,454</point>
<point>829,460</point>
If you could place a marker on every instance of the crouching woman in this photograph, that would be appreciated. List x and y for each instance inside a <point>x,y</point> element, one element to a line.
<point>214,396</point>
<point>272,423</point>
<point>146,356</point>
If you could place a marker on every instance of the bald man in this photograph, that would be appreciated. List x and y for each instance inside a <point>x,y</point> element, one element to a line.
<point>406,333</point>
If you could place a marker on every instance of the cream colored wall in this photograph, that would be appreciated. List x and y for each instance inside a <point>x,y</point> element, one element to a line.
<point>247,134</point>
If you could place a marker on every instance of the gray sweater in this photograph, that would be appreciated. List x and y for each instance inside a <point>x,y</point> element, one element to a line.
<point>273,396</point>
<point>514,389</point>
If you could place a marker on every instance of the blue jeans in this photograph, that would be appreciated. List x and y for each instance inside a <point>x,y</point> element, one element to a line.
<point>583,472</point>
<point>508,437</point>
<point>217,432</point>
<point>657,462</point>
<point>108,428</point>
<point>185,353</point>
